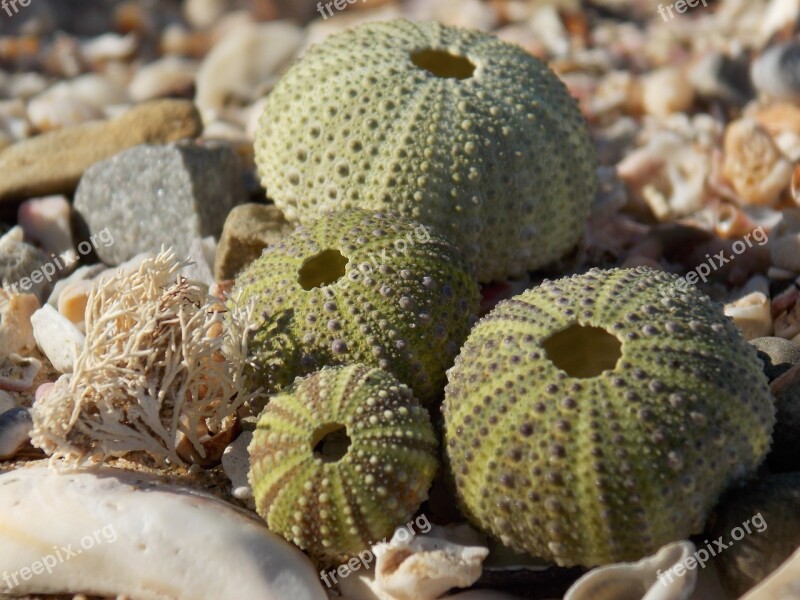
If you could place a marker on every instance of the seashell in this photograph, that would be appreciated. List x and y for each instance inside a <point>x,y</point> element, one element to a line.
<point>785,252</point>
<point>57,338</point>
<point>753,164</point>
<point>16,333</point>
<point>176,39</point>
<point>782,584</point>
<point>18,372</point>
<point>202,14</point>
<point>108,47</point>
<point>245,64</point>
<point>716,75</point>
<point>15,430</point>
<point>46,221</point>
<point>141,538</point>
<point>666,91</point>
<point>751,312</point>
<point>420,567</point>
<point>50,111</point>
<point>731,221</point>
<point>236,464</point>
<point>776,73</point>
<point>779,15</point>
<point>777,117</point>
<point>168,76</point>
<point>26,85</point>
<point>647,579</point>
<point>72,300</point>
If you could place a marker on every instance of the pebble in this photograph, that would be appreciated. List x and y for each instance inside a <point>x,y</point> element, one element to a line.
<point>726,78</point>
<point>46,221</point>
<point>150,540</point>
<point>15,431</point>
<point>770,507</point>
<point>166,195</point>
<point>776,73</point>
<point>245,64</point>
<point>667,91</point>
<point>52,163</point>
<point>7,401</point>
<point>248,229</point>
<point>236,464</point>
<point>202,14</point>
<point>777,354</point>
<point>20,264</point>
<point>17,373</point>
<point>57,338</point>
<point>751,312</point>
<point>753,164</point>
<point>168,76</point>
<point>785,252</point>
<point>16,332</point>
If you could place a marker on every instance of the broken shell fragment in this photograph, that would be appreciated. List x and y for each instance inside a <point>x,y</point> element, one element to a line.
<point>18,372</point>
<point>134,535</point>
<point>647,579</point>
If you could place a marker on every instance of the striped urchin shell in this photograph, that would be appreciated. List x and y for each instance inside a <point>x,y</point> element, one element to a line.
<point>340,459</point>
<point>595,418</point>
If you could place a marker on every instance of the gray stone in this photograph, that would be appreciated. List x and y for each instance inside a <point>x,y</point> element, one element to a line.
<point>21,266</point>
<point>153,195</point>
<point>249,229</point>
<point>777,354</point>
<point>15,430</point>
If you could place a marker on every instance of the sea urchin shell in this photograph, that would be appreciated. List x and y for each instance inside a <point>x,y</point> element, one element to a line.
<point>340,459</point>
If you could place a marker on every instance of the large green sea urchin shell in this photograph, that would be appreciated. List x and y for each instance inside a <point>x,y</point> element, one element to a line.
<point>453,128</point>
<point>340,459</point>
<point>360,287</point>
<point>595,418</point>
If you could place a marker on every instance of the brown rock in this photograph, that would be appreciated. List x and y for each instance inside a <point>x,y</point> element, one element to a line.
<point>53,163</point>
<point>248,229</point>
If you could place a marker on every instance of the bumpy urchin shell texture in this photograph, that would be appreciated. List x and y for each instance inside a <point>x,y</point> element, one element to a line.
<point>656,405</point>
<point>453,128</point>
<point>360,287</point>
<point>335,508</point>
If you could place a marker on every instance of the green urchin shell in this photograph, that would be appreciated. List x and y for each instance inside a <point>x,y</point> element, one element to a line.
<point>336,508</point>
<point>596,418</point>
<point>499,159</point>
<point>404,301</point>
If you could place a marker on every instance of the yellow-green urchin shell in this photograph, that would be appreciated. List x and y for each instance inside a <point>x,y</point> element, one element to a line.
<point>595,418</point>
<point>340,459</point>
<point>360,287</point>
<point>451,127</point>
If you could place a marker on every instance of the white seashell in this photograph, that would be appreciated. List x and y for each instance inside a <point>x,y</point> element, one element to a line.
<point>109,46</point>
<point>245,64</point>
<point>753,164</point>
<point>83,273</point>
<point>49,111</point>
<point>236,464</point>
<point>15,431</point>
<point>751,311</point>
<point>202,14</point>
<point>57,338</point>
<point>424,567</point>
<point>667,91</point>
<point>163,77</point>
<point>26,85</point>
<point>16,332</point>
<point>72,301</point>
<point>141,538</point>
<point>47,222</point>
<point>782,584</point>
<point>779,14</point>
<point>774,73</point>
<point>639,580</point>
<point>18,372</point>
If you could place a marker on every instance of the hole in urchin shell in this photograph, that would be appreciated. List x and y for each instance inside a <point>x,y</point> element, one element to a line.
<point>322,269</point>
<point>583,351</point>
<point>330,442</point>
<point>443,64</point>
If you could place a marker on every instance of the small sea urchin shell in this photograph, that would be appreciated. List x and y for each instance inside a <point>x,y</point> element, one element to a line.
<point>340,459</point>
<point>598,417</point>
<point>451,127</point>
<point>359,288</point>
